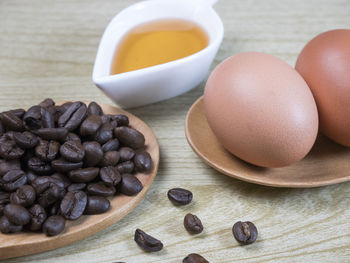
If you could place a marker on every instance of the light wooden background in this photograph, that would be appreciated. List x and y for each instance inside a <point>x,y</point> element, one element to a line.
<point>47,49</point>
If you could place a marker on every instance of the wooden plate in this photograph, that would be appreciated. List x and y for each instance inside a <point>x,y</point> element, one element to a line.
<point>327,163</point>
<point>20,244</point>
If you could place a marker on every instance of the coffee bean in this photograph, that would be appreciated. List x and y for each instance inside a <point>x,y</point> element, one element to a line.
<point>180,196</point>
<point>39,167</point>
<point>18,112</point>
<point>12,180</point>
<point>11,121</point>
<point>126,154</point>
<point>47,118</point>
<point>110,158</point>
<point>63,166</point>
<point>24,196</point>
<point>100,189</point>
<point>31,177</point>
<point>49,190</point>
<point>25,140</point>
<point>96,205</point>
<point>41,183</point>
<point>130,185</point>
<point>4,200</point>
<point>245,232</point>
<point>7,227</point>
<point>73,116</point>
<point>72,137</point>
<point>130,137</point>
<point>32,118</point>
<point>147,242</point>
<point>46,103</point>
<point>2,128</point>
<point>56,134</point>
<point>8,165</point>
<point>73,204</point>
<point>194,258</point>
<point>76,187</point>
<point>122,120</point>
<point>9,150</point>
<point>90,125</point>
<point>38,217</point>
<point>60,109</point>
<point>55,209</point>
<point>110,175</point>
<point>94,109</point>
<point>193,224</point>
<point>104,134</point>
<point>125,167</point>
<point>143,162</point>
<point>17,214</point>
<point>93,153</point>
<point>47,150</point>
<point>111,145</point>
<point>54,225</point>
<point>72,151</point>
<point>62,178</point>
<point>84,175</point>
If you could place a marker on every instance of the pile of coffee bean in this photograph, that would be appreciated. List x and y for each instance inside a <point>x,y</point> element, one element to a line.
<point>58,162</point>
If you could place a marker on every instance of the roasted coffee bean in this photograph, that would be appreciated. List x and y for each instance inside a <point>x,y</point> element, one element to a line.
<point>194,258</point>
<point>147,242</point>
<point>72,137</point>
<point>125,167</point>
<point>143,162</point>
<point>41,183</point>
<point>73,204</point>
<point>18,112</point>
<point>180,196</point>
<point>62,178</point>
<point>17,214</point>
<point>11,121</point>
<point>38,217</point>
<point>54,209</point>
<point>100,189</point>
<point>12,180</point>
<point>47,118</point>
<point>7,227</point>
<point>193,224</point>
<point>25,140</point>
<point>111,145</point>
<point>46,103</point>
<point>24,196</point>
<point>130,137</point>
<point>130,185</point>
<point>56,134</point>
<point>54,225</point>
<point>63,166</point>
<point>32,118</point>
<point>245,232</point>
<point>47,150</point>
<point>76,187</point>
<point>39,167</point>
<point>72,151</point>
<point>2,128</point>
<point>31,177</point>
<point>110,159</point>
<point>94,109</point>
<point>110,175</point>
<point>9,150</point>
<point>122,120</point>
<point>90,125</point>
<point>106,118</point>
<point>4,200</point>
<point>96,205</point>
<point>73,116</point>
<point>84,175</point>
<point>93,153</point>
<point>126,154</point>
<point>49,190</point>
<point>8,165</point>
<point>104,134</point>
<point>62,108</point>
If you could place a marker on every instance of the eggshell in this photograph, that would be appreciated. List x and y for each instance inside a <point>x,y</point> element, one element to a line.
<point>325,65</point>
<point>261,110</point>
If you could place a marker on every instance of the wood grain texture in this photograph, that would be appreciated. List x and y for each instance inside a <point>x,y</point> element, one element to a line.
<point>21,244</point>
<point>47,48</point>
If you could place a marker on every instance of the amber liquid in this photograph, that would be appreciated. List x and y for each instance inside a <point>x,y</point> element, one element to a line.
<point>156,43</point>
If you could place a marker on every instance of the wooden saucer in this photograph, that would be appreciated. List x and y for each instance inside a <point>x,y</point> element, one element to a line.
<point>327,163</point>
<point>20,244</point>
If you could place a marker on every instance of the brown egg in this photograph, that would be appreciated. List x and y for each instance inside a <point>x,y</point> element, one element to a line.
<point>325,65</point>
<point>261,110</point>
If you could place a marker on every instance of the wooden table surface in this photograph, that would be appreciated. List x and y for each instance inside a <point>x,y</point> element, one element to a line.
<point>47,49</point>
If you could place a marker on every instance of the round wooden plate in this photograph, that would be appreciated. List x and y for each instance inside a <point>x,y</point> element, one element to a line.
<point>327,163</point>
<point>20,244</point>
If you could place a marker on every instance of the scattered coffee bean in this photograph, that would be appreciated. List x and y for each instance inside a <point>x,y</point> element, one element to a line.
<point>32,118</point>
<point>100,189</point>
<point>54,225</point>
<point>93,153</point>
<point>72,137</point>
<point>39,167</point>
<point>17,214</point>
<point>245,232</point>
<point>193,224</point>
<point>125,167</point>
<point>8,165</point>
<point>90,125</point>
<point>72,151</point>
<point>9,150</point>
<point>147,242</point>
<point>73,116</point>
<point>130,137</point>
<point>25,140</point>
<point>24,196</point>
<point>104,134</point>
<point>11,121</point>
<point>18,112</point>
<point>94,109</point>
<point>180,196</point>
<point>194,258</point>
<point>111,145</point>
<point>126,154</point>
<point>83,175</point>
<point>13,180</point>
<point>110,158</point>
<point>110,175</point>
<point>7,227</point>
<point>47,150</point>
<point>143,162</point>
<point>121,119</point>
<point>96,205</point>
<point>4,200</point>
<point>130,185</point>
<point>73,204</point>
<point>57,134</point>
<point>76,187</point>
<point>38,217</point>
<point>63,166</point>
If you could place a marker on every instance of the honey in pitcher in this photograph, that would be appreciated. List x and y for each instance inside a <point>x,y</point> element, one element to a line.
<point>158,42</point>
